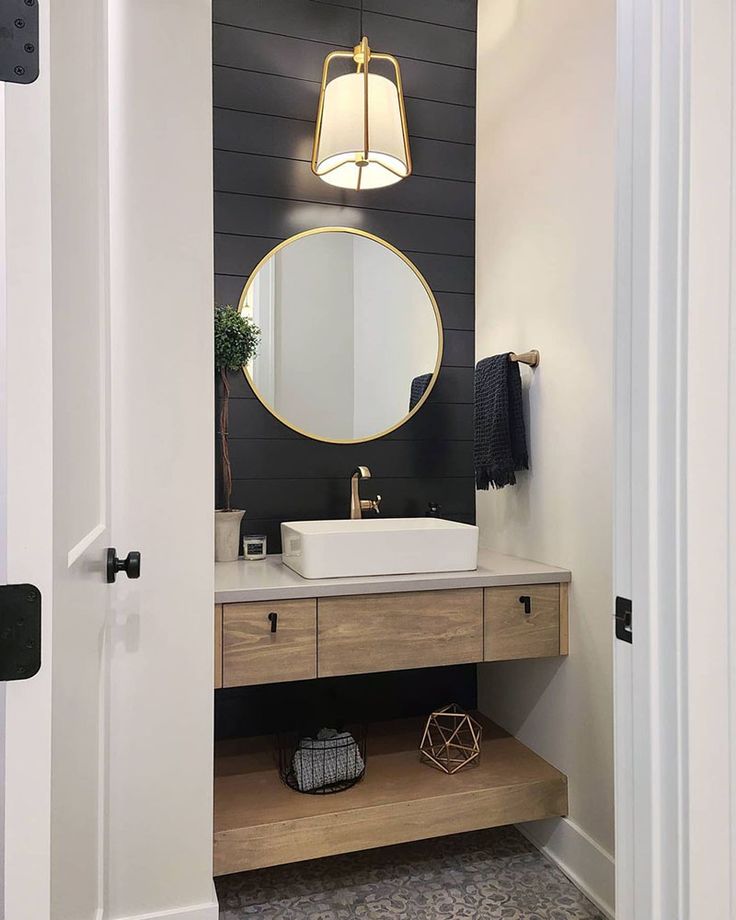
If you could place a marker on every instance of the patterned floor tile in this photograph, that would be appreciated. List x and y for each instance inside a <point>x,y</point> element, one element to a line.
<point>487,875</point>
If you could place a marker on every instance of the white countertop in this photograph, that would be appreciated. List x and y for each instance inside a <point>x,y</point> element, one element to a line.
<point>270,580</point>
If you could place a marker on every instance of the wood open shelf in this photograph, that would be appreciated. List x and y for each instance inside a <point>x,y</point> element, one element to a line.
<point>261,822</point>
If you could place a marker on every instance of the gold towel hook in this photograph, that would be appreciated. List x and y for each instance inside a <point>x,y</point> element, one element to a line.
<point>527,357</point>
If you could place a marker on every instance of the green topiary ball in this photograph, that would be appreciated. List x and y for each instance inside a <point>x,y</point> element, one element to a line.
<point>236,339</point>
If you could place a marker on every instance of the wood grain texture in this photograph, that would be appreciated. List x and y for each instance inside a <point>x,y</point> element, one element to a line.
<point>510,633</point>
<point>252,654</point>
<point>364,634</point>
<point>565,618</point>
<point>218,646</point>
<point>260,822</point>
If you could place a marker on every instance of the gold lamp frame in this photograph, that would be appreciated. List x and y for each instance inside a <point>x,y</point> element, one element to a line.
<point>362,55</point>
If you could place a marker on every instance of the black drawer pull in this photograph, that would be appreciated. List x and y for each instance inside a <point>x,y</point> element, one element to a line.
<point>527,602</point>
<point>273,619</point>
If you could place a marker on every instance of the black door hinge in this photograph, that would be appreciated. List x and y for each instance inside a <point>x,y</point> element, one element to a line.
<point>18,41</point>
<point>20,631</point>
<point>624,629</point>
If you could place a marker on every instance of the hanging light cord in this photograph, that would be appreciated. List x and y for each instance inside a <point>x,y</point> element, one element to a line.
<point>361,21</point>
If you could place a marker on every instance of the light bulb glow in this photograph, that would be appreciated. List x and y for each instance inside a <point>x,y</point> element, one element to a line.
<point>361,141</point>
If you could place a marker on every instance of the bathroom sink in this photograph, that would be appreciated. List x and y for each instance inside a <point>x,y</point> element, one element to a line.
<point>383,546</point>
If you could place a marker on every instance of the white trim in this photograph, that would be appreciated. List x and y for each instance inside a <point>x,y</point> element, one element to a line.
<point>650,520</point>
<point>209,911</point>
<point>585,862</point>
<point>76,551</point>
<point>29,477</point>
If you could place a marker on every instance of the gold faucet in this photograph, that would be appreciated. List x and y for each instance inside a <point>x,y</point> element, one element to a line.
<point>357,504</point>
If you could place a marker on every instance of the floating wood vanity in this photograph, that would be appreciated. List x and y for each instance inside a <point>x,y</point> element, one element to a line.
<point>271,625</point>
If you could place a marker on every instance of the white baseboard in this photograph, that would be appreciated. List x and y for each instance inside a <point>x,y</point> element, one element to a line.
<point>588,866</point>
<point>209,911</point>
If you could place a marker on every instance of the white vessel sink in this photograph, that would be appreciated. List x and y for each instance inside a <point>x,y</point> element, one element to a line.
<point>378,546</point>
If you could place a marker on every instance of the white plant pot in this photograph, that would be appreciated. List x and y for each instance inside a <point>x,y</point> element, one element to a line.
<point>227,535</point>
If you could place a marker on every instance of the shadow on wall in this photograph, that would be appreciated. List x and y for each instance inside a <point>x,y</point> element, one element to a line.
<point>501,22</point>
<point>538,676</point>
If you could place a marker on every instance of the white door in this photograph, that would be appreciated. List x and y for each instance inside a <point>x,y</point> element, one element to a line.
<point>107,417</point>
<point>57,464</point>
<point>675,688</point>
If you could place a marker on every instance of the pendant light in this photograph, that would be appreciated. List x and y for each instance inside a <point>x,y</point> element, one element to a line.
<point>361,140</point>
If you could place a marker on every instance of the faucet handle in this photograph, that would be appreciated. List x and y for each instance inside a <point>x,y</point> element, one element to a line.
<point>376,504</point>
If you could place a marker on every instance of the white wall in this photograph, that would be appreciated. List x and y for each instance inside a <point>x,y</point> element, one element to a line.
<point>159,821</point>
<point>545,222</point>
<point>314,334</point>
<point>395,336</point>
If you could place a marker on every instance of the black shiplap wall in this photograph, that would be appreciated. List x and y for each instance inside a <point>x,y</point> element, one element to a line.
<point>267,63</point>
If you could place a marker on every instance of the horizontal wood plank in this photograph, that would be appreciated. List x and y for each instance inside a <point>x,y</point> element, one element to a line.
<point>429,114</point>
<point>295,500</point>
<point>239,255</point>
<point>438,423</point>
<point>274,460</point>
<point>459,14</point>
<point>287,56</point>
<point>261,822</point>
<point>331,24</point>
<point>339,26</point>
<point>280,219</point>
<point>422,41</point>
<point>270,135</point>
<point>363,634</point>
<point>242,172</point>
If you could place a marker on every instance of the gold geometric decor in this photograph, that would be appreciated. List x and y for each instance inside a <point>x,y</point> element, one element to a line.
<point>451,740</point>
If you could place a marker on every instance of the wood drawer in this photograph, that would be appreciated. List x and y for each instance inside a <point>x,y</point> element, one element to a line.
<point>218,646</point>
<point>388,632</point>
<point>253,654</point>
<point>511,632</point>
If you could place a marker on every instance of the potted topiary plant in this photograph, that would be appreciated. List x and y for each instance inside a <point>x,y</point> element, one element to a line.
<point>236,343</point>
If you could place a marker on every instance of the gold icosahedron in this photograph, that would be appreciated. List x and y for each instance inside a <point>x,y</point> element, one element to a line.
<point>451,740</point>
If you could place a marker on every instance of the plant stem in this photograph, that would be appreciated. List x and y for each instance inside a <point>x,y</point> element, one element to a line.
<point>227,475</point>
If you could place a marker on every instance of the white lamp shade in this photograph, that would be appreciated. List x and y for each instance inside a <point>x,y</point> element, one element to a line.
<point>341,140</point>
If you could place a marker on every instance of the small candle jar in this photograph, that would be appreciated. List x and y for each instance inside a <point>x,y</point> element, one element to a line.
<point>254,546</point>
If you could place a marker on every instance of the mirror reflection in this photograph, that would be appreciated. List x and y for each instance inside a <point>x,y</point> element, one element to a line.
<point>351,339</point>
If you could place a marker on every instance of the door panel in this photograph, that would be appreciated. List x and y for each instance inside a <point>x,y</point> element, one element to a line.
<point>79,244</point>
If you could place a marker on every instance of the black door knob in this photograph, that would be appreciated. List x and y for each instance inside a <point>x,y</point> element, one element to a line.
<point>131,565</point>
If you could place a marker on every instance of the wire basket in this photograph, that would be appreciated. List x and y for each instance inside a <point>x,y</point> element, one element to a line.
<point>324,761</point>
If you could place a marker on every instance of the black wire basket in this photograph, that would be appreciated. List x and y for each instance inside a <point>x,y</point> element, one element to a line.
<point>322,762</point>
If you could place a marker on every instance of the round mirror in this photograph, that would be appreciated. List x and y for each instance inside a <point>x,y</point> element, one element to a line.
<point>351,336</point>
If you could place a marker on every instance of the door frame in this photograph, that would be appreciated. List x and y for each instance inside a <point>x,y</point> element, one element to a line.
<point>675,392</point>
<point>26,488</point>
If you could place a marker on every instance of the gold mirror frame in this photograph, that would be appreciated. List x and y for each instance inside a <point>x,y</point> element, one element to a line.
<point>432,300</point>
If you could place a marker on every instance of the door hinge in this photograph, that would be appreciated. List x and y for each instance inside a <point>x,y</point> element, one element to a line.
<point>624,629</point>
<point>20,631</point>
<point>18,41</point>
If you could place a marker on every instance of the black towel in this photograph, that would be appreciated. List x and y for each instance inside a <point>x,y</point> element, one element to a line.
<point>500,438</point>
<point>418,389</point>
